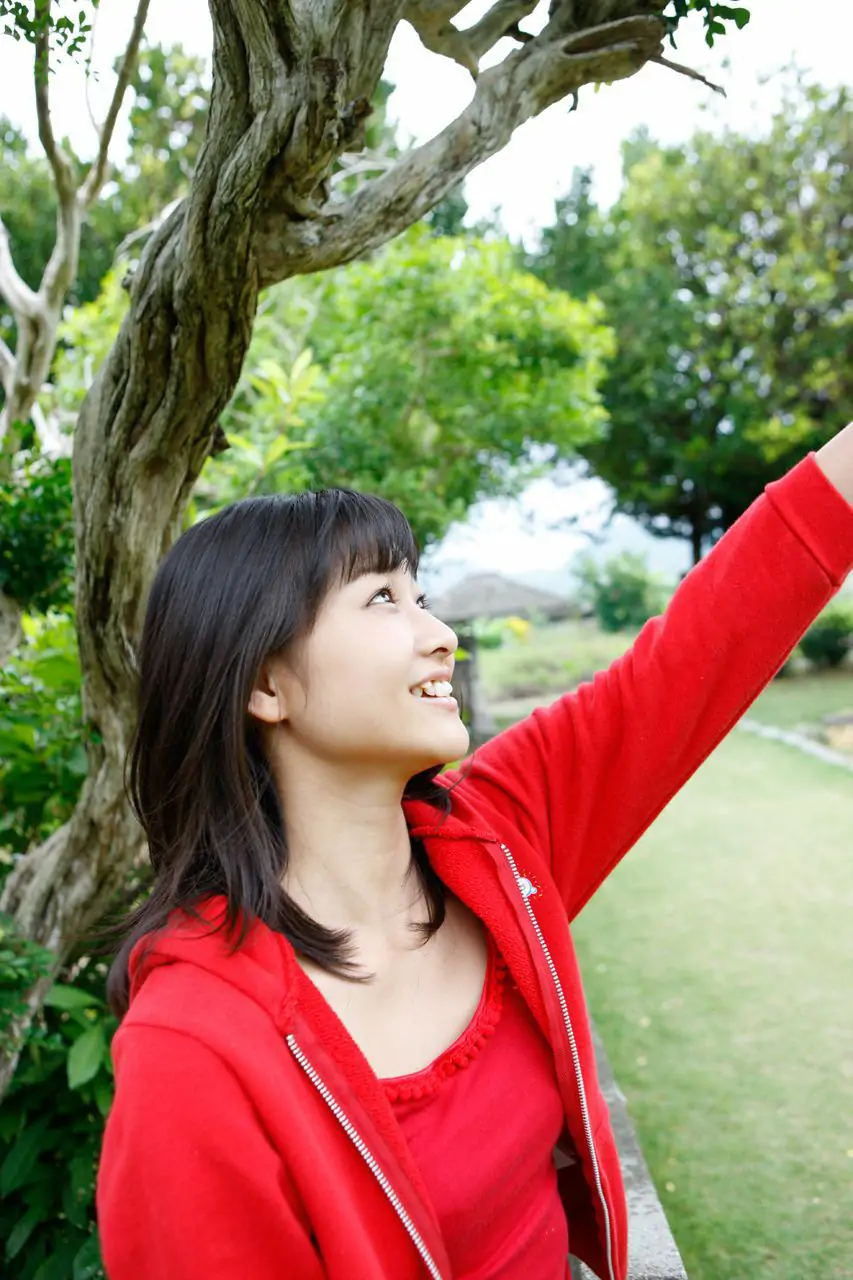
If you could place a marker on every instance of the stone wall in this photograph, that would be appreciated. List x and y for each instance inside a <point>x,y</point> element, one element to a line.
<point>652,1251</point>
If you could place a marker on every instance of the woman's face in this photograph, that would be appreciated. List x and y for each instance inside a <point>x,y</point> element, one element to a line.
<point>347,697</point>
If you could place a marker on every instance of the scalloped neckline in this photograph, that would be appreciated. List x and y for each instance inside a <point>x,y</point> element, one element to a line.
<point>458,1055</point>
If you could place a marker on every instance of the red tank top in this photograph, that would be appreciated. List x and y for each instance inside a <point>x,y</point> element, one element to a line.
<point>482,1122</point>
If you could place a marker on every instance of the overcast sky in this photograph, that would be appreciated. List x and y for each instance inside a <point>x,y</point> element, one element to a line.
<point>524,179</point>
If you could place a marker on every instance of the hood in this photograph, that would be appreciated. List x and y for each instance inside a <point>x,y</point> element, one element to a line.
<point>263,967</point>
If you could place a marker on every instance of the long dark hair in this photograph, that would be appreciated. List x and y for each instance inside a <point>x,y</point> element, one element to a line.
<point>234,589</point>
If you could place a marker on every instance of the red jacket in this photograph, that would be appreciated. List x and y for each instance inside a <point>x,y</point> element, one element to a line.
<point>250,1140</point>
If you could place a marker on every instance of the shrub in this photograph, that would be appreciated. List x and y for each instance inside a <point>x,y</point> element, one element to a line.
<point>489,633</point>
<point>42,758</point>
<point>623,592</point>
<point>51,1128</point>
<point>830,637</point>
<point>37,532</point>
<point>52,1117</point>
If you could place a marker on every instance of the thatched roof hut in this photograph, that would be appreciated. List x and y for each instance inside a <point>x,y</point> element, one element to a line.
<point>491,595</point>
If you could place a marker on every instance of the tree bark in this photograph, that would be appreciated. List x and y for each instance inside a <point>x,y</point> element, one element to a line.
<point>697,528</point>
<point>290,85</point>
<point>696,541</point>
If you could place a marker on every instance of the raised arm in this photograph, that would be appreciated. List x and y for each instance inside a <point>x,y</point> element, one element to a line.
<point>835,460</point>
<point>586,776</point>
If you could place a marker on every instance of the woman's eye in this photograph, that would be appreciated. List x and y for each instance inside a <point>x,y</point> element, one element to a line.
<point>387,593</point>
<point>423,603</point>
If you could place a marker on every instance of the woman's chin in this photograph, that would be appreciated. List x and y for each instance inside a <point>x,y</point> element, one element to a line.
<point>449,747</point>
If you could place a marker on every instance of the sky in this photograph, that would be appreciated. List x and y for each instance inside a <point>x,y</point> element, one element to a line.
<point>521,182</point>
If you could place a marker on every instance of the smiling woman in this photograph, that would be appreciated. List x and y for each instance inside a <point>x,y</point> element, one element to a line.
<point>354,1037</point>
<point>282,640</point>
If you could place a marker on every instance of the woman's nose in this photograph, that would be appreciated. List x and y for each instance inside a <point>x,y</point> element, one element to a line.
<point>447,640</point>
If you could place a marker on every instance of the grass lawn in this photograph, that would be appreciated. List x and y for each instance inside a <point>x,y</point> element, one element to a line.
<point>802,701</point>
<point>718,962</point>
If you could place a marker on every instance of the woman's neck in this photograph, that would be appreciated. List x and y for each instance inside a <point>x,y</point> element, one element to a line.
<point>349,862</point>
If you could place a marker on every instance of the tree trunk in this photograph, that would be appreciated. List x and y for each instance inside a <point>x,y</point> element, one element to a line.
<point>290,87</point>
<point>696,540</point>
<point>10,627</point>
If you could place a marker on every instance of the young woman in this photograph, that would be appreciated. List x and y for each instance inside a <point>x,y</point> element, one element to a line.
<point>354,1043</point>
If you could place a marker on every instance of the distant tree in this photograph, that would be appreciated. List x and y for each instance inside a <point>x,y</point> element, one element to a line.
<point>725,267</point>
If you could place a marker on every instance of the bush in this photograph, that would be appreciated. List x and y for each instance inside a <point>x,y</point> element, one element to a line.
<point>42,757</point>
<point>52,1117</point>
<point>489,633</point>
<point>37,532</point>
<point>51,1125</point>
<point>623,593</point>
<point>830,637</point>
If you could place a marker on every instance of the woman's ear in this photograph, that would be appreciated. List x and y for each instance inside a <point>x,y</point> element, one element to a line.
<point>266,702</point>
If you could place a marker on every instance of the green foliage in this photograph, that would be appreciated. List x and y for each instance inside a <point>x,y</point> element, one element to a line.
<point>37,531</point>
<point>830,637</point>
<point>714,15</point>
<point>622,592</point>
<point>27,20</point>
<point>724,268</point>
<point>435,374</point>
<point>265,422</point>
<point>42,757</point>
<point>489,633</point>
<point>85,336</point>
<point>22,964</point>
<point>449,375</point>
<point>50,1135</point>
<point>167,125</point>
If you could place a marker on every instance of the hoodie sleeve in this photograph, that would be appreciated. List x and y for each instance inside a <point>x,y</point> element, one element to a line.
<point>583,778</point>
<point>188,1184</point>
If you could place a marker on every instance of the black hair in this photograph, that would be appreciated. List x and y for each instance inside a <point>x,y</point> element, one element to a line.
<point>235,589</point>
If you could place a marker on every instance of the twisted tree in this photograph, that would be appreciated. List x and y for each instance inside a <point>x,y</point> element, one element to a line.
<point>292,84</point>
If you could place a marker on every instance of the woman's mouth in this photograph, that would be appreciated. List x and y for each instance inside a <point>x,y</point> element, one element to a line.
<point>439,692</point>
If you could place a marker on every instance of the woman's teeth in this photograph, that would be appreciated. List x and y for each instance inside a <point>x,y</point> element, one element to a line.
<point>434,689</point>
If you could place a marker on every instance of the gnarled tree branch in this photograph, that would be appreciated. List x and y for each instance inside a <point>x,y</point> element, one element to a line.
<point>433,21</point>
<point>524,84</point>
<point>7,365</point>
<point>22,300</point>
<point>681,70</point>
<point>63,170</point>
<point>97,173</point>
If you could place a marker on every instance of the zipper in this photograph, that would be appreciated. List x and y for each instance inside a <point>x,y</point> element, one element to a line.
<point>366,1155</point>
<point>526,893</point>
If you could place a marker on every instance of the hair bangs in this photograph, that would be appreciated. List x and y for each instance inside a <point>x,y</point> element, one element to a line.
<point>369,535</point>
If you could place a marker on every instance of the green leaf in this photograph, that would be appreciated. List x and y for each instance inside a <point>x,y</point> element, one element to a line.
<point>59,671</point>
<point>21,733</point>
<point>104,1092</point>
<point>87,1261</point>
<point>19,1162</point>
<point>277,449</point>
<point>58,1265</point>
<point>85,1055</point>
<point>21,1232</point>
<point>301,364</point>
<point>63,996</point>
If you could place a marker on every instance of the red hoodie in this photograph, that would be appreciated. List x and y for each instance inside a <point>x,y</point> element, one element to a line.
<point>250,1139</point>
